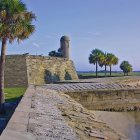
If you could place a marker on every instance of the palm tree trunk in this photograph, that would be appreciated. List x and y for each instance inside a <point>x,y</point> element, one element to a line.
<point>105,70</point>
<point>2,66</point>
<point>110,70</point>
<point>96,70</point>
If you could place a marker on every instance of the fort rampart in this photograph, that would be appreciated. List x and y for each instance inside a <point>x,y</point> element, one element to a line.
<point>22,70</point>
<point>108,100</point>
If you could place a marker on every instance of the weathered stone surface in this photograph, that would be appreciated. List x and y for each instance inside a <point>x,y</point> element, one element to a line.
<point>15,135</point>
<point>16,71</point>
<point>53,115</point>
<point>66,119</point>
<point>64,45</point>
<point>102,96</point>
<point>22,70</point>
<point>46,121</point>
<point>47,112</point>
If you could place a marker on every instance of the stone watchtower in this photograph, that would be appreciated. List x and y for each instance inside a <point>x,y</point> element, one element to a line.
<point>64,46</point>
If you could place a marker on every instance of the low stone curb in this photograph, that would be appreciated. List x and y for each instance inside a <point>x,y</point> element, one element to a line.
<point>18,125</point>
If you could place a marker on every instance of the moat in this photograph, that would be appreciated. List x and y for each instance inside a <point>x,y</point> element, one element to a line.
<point>127,123</point>
<point>134,133</point>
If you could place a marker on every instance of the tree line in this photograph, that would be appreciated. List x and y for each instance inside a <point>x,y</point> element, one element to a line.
<point>99,58</point>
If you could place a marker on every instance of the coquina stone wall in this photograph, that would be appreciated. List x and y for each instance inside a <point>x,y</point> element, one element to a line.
<point>22,70</point>
<point>110,100</point>
<point>43,70</point>
<point>16,71</point>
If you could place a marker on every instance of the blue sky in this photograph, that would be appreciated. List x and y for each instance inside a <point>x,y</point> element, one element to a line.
<point>110,25</point>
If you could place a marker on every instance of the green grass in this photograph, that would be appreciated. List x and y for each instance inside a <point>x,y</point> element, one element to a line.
<point>101,74</point>
<point>13,94</point>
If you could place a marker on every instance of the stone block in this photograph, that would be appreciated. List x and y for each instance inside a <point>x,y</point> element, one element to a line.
<point>16,126</point>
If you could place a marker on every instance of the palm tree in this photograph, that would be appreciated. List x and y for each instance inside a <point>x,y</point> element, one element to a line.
<point>111,60</point>
<point>115,60</point>
<point>103,61</point>
<point>15,24</point>
<point>96,58</point>
<point>126,67</point>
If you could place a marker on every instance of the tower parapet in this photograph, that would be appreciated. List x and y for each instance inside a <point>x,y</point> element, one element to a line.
<point>64,46</point>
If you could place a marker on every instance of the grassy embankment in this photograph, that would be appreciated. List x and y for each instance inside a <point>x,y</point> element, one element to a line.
<point>13,94</point>
<point>12,98</point>
<point>86,75</point>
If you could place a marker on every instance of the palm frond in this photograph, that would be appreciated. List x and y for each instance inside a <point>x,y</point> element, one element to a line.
<point>15,20</point>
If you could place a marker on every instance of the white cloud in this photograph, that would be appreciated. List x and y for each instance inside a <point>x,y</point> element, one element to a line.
<point>36,45</point>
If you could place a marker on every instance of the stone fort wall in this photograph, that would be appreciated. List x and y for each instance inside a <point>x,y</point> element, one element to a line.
<point>22,70</point>
<point>108,100</point>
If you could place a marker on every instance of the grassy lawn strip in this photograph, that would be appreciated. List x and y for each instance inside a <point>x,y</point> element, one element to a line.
<point>13,94</point>
<point>101,74</point>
